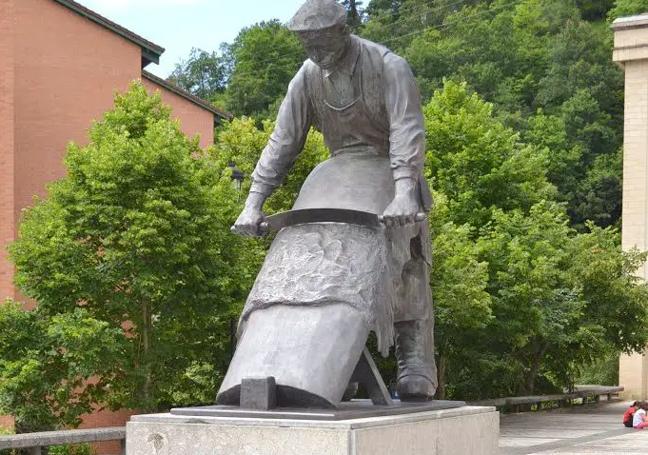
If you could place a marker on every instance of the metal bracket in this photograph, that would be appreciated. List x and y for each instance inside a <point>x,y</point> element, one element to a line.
<point>367,374</point>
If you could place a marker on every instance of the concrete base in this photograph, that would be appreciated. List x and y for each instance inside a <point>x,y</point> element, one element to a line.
<point>460,431</point>
<point>347,410</point>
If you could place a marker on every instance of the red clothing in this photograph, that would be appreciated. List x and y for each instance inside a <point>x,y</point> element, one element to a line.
<point>627,416</point>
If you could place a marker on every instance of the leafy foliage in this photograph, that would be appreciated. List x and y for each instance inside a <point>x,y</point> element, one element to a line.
<point>354,13</point>
<point>70,449</point>
<point>476,161</point>
<point>535,58</point>
<point>48,363</point>
<point>267,56</point>
<point>459,281</point>
<point>523,301</point>
<point>241,143</point>
<point>628,8</point>
<point>136,241</point>
<point>203,74</point>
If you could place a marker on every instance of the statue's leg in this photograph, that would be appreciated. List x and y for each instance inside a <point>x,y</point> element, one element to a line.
<point>415,354</point>
<point>414,327</point>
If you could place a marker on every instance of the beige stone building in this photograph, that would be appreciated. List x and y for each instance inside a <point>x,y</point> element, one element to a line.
<point>631,52</point>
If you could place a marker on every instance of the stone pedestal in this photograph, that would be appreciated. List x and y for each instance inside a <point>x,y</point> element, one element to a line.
<point>461,431</point>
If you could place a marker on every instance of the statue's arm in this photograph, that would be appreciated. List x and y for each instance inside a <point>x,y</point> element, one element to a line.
<point>406,139</point>
<point>285,143</point>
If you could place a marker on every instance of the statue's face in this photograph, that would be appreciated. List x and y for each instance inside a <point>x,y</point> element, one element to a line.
<point>325,47</point>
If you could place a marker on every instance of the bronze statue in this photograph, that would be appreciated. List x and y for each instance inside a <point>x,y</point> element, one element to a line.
<point>330,279</point>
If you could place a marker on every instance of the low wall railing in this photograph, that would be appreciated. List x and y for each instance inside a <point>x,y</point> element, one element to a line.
<point>35,442</point>
<point>586,393</point>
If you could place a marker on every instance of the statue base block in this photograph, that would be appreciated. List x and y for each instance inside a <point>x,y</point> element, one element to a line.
<point>347,410</point>
<point>464,430</point>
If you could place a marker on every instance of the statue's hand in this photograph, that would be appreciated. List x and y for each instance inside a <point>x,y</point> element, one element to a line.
<point>404,207</point>
<point>249,222</point>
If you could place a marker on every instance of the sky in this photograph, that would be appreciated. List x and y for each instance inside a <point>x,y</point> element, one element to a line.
<point>179,25</point>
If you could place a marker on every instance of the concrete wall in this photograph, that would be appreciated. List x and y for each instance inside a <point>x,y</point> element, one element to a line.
<point>631,52</point>
<point>635,159</point>
<point>193,118</point>
<point>632,376</point>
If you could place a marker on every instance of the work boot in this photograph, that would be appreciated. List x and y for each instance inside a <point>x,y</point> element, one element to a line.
<point>415,355</point>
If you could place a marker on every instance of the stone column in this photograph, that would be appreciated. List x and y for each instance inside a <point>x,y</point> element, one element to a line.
<point>631,53</point>
<point>7,131</point>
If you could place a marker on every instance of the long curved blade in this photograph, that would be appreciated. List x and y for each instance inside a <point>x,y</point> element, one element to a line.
<point>302,216</point>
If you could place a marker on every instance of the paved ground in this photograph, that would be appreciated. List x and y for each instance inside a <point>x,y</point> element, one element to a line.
<point>586,430</point>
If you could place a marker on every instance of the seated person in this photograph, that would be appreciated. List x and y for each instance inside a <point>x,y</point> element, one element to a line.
<point>639,420</point>
<point>629,414</point>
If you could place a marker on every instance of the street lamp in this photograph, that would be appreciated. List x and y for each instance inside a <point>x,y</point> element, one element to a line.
<point>237,176</point>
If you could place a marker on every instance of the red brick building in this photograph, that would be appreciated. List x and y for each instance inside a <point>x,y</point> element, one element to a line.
<point>60,65</point>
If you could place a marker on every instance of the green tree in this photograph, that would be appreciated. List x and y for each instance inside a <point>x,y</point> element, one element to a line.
<point>53,368</point>
<point>628,8</point>
<point>137,235</point>
<point>536,306</point>
<point>459,280</point>
<point>595,9</point>
<point>476,162</point>
<point>557,300</point>
<point>203,74</point>
<point>354,13</point>
<point>264,57</point>
<point>518,292</point>
<point>241,142</point>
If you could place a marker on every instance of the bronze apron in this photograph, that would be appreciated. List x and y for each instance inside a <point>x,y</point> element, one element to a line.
<point>358,176</point>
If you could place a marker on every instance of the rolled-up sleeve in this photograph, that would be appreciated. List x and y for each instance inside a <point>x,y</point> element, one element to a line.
<point>287,139</point>
<point>407,128</point>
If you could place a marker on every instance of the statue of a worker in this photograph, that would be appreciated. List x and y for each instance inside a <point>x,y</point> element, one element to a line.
<point>324,286</point>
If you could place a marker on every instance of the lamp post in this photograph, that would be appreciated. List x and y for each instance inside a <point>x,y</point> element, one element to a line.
<point>237,177</point>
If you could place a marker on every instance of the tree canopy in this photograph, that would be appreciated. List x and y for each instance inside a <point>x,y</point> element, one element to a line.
<point>265,58</point>
<point>521,297</point>
<point>133,243</point>
<point>203,74</point>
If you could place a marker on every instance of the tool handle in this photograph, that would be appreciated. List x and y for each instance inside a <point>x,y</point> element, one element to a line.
<point>421,216</point>
<point>264,228</point>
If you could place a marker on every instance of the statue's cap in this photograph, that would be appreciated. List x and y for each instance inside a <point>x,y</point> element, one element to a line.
<point>317,15</point>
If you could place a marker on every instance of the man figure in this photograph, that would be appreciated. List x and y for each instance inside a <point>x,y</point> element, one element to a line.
<point>364,100</point>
